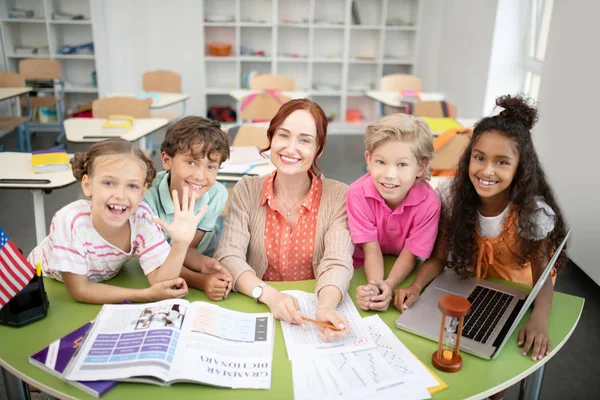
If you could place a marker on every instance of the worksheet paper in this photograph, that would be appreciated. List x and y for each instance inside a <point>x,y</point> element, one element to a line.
<point>304,341</point>
<point>389,371</point>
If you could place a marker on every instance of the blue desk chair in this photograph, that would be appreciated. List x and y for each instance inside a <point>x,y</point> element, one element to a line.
<point>44,69</point>
<point>19,124</point>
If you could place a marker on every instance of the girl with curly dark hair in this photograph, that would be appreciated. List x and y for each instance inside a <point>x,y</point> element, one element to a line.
<point>499,217</point>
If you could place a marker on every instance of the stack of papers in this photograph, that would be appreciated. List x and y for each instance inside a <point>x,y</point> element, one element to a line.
<point>52,160</point>
<point>244,160</point>
<point>369,363</point>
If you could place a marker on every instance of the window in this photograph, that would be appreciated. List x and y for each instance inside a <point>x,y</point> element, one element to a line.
<point>541,14</point>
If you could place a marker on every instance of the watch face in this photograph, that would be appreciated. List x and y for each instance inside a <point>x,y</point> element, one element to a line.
<point>257,292</point>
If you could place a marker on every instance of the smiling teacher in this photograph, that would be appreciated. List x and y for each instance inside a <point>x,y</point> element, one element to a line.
<point>291,225</point>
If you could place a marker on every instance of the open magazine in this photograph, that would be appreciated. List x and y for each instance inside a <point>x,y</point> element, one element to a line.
<point>177,341</point>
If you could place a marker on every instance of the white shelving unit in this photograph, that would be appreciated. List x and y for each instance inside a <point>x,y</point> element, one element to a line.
<point>316,42</point>
<point>49,36</point>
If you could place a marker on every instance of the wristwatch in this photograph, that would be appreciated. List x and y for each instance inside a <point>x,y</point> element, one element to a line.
<point>258,291</point>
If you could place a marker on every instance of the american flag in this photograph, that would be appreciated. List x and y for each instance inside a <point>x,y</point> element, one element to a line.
<point>15,270</point>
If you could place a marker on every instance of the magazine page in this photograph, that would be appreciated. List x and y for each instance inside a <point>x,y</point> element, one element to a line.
<point>226,348</point>
<point>130,340</point>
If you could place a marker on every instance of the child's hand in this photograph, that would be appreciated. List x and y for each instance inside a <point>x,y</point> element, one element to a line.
<point>172,289</point>
<point>535,333</point>
<point>364,294</point>
<point>404,297</point>
<point>333,317</point>
<point>185,223</point>
<point>210,266</point>
<point>216,286</point>
<point>381,301</point>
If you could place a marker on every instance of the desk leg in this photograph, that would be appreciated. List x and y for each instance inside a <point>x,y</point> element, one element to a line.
<point>39,215</point>
<point>14,387</point>
<point>142,143</point>
<point>531,387</point>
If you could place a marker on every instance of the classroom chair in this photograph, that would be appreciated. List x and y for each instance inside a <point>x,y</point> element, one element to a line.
<point>272,82</point>
<point>433,109</point>
<point>137,108</point>
<point>45,69</point>
<point>399,82</point>
<point>19,124</point>
<point>163,81</point>
<point>248,135</point>
<point>262,106</point>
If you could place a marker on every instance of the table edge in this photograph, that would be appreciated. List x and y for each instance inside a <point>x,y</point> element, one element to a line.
<point>534,367</point>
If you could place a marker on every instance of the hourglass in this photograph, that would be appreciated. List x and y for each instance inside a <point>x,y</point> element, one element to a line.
<point>454,309</point>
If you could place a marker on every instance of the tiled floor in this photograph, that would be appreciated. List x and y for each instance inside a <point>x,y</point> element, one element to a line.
<point>572,374</point>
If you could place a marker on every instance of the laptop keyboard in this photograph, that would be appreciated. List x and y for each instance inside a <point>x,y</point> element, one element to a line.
<point>487,307</point>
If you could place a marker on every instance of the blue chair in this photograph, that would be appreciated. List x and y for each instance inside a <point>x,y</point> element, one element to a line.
<point>19,124</point>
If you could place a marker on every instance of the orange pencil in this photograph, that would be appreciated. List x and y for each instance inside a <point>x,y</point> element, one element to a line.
<point>325,324</point>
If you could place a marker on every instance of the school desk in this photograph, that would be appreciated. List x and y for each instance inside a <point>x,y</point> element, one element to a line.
<point>89,130</point>
<point>8,93</point>
<point>395,99</point>
<point>16,172</point>
<point>164,99</point>
<point>478,378</point>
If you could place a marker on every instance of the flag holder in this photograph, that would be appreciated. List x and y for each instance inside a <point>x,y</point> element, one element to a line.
<point>29,305</point>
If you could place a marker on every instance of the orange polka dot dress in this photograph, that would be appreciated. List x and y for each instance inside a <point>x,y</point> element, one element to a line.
<point>290,252</point>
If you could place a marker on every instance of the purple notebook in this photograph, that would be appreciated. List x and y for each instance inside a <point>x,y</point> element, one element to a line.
<point>55,358</point>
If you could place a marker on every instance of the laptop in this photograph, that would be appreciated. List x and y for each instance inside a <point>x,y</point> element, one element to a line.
<point>496,310</point>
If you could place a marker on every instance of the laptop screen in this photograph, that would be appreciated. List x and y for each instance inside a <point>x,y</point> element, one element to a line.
<point>534,291</point>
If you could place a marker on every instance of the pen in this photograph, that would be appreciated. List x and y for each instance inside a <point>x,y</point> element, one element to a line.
<point>325,324</point>
<point>38,268</point>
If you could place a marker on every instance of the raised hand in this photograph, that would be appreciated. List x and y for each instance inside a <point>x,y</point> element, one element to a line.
<point>185,223</point>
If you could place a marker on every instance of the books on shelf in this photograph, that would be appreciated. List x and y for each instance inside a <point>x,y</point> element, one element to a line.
<point>55,358</point>
<point>53,160</point>
<point>118,124</point>
<point>177,341</point>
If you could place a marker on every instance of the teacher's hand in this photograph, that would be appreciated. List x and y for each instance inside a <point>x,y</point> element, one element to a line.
<point>285,308</point>
<point>334,318</point>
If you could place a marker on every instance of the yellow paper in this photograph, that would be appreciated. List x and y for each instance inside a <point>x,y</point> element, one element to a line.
<point>441,124</point>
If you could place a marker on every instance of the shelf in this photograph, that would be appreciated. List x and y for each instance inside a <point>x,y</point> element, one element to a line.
<point>74,56</point>
<point>328,60</point>
<point>26,20</point>
<point>18,56</point>
<point>293,25</point>
<point>80,89</point>
<point>293,59</point>
<point>329,26</point>
<point>217,91</point>
<point>408,28</point>
<point>360,61</point>
<point>366,27</point>
<point>217,58</point>
<point>218,24</point>
<point>71,22</point>
<point>255,58</point>
<point>255,24</point>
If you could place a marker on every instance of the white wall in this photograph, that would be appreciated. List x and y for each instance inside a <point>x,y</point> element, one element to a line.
<point>142,35</point>
<point>567,137</point>
<point>509,48</point>
<point>455,50</point>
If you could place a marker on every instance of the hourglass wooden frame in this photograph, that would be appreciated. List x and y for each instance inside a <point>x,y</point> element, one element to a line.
<point>451,306</point>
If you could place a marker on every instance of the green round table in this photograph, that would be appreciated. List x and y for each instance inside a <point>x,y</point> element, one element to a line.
<point>478,378</point>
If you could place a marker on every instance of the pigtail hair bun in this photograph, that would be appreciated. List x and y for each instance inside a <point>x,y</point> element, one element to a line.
<point>79,165</point>
<point>519,109</point>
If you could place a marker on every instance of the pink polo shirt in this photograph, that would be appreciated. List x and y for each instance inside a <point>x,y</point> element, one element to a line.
<point>413,224</point>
